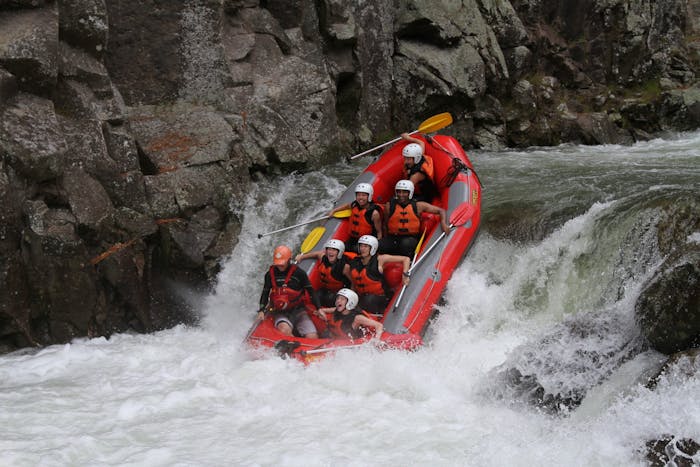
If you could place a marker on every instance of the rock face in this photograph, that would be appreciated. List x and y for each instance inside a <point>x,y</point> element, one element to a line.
<point>127,127</point>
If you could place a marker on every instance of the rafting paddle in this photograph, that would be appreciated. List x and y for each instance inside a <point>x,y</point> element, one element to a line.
<point>459,216</point>
<point>434,123</point>
<point>345,213</point>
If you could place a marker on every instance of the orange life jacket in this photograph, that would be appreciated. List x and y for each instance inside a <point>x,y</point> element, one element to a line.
<point>326,277</point>
<point>403,220</point>
<point>341,325</point>
<point>366,280</point>
<point>282,297</point>
<point>361,220</point>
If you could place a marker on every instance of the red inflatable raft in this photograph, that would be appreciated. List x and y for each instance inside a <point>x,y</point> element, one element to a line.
<point>406,319</point>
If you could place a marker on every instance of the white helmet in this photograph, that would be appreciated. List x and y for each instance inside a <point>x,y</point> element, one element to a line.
<point>370,240</point>
<point>413,150</point>
<point>405,185</point>
<point>352,297</point>
<point>337,244</point>
<point>365,188</point>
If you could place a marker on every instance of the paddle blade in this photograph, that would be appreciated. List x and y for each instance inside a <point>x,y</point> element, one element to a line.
<point>462,214</point>
<point>435,123</point>
<point>343,214</point>
<point>312,239</point>
<point>420,243</point>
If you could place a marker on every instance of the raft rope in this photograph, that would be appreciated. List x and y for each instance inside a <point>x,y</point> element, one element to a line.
<point>454,170</point>
<point>456,167</point>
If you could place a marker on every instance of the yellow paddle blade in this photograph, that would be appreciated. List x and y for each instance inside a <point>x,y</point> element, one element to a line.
<point>435,123</point>
<point>420,242</point>
<point>312,239</point>
<point>343,214</point>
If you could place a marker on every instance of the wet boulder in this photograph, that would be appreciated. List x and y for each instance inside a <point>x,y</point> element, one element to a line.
<point>669,306</point>
<point>555,372</point>
<point>683,364</point>
<point>527,389</point>
<point>679,224</point>
<point>597,128</point>
<point>672,450</point>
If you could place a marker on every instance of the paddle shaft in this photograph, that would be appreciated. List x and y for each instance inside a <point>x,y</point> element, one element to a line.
<point>338,215</point>
<point>416,263</point>
<point>398,300</point>
<point>427,252</point>
<point>380,146</point>
<point>293,226</point>
<point>434,123</point>
<point>333,349</point>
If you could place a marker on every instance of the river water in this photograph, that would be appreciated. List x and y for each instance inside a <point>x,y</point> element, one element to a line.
<point>548,289</point>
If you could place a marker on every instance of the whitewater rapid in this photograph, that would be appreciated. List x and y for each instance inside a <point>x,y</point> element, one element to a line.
<point>192,396</point>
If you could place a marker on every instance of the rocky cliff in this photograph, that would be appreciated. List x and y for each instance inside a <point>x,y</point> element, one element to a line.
<point>127,127</point>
